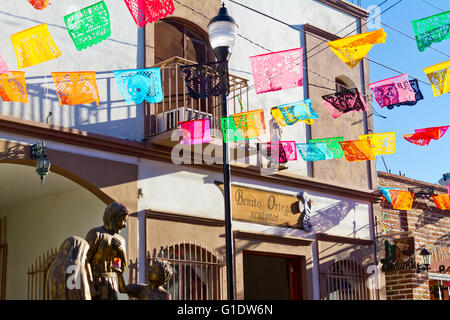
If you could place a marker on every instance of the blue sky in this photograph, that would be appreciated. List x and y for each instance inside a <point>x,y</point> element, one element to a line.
<point>426,163</point>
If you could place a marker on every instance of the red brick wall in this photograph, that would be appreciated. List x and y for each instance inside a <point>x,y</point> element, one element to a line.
<point>430,227</point>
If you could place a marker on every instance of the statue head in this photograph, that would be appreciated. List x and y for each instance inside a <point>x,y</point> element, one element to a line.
<point>115,217</point>
<point>160,272</point>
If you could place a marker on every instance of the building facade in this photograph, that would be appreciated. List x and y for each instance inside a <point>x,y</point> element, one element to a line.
<point>425,226</point>
<point>128,153</point>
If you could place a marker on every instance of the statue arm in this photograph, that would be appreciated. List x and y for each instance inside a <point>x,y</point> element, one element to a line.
<point>120,247</point>
<point>121,282</point>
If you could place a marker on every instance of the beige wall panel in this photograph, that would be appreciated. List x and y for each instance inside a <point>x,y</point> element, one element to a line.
<point>328,64</point>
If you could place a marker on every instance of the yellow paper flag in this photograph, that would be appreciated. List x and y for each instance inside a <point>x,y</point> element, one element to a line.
<point>34,46</point>
<point>76,87</point>
<point>352,49</point>
<point>381,143</point>
<point>13,86</point>
<point>439,76</point>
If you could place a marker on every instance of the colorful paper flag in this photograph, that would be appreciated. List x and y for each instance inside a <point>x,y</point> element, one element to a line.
<point>350,100</point>
<point>332,144</point>
<point>140,84</point>
<point>393,91</point>
<point>357,150</point>
<point>3,66</point>
<point>208,79</point>
<point>89,26</point>
<point>13,86</point>
<point>34,46</point>
<point>439,76</point>
<point>386,194</point>
<point>442,201</point>
<point>354,48</point>
<point>423,137</point>
<point>401,200</point>
<point>277,70</point>
<point>290,113</point>
<point>431,30</point>
<point>75,88</point>
<point>39,4</point>
<point>196,131</point>
<point>285,150</point>
<point>314,151</point>
<point>381,143</point>
<point>149,11</point>
<point>243,126</point>
<point>448,189</point>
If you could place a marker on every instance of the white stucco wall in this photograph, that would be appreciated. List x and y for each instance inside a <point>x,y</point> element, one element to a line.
<point>275,36</point>
<point>35,227</point>
<point>120,51</point>
<point>171,188</point>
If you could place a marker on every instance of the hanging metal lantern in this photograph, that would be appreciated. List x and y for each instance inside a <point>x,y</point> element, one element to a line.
<point>38,153</point>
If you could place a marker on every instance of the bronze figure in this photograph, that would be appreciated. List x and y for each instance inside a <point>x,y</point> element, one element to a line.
<point>106,245</point>
<point>159,274</point>
<point>69,276</point>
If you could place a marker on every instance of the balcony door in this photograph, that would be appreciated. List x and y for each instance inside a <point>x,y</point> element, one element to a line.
<point>177,38</point>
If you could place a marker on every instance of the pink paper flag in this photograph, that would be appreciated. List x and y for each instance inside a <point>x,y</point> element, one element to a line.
<point>3,66</point>
<point>278,70</point>
<point>448,189</point>
<point>149,11</point>
<point>196,131</point>
<point>393,91</point>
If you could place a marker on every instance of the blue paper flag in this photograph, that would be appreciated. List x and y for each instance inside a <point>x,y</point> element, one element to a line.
<point>138,85</point>
<point>298,111</point>
<point>314,151</point>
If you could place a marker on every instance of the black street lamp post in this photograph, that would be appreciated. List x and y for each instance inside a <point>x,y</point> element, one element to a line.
<point>222,30</point>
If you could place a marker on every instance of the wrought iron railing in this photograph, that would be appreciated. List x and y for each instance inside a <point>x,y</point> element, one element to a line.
<point>346,280</point>
<point>198,273</point>
<point>177,105</point>
<point>37,274</point>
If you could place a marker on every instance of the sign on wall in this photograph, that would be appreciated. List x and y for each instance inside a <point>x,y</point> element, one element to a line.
<point>400,255</point>
<point>270,208</point>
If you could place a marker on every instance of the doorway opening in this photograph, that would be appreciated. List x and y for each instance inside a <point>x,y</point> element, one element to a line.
<point>270,276</point>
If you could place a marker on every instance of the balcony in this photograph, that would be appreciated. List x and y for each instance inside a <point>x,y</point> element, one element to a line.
<point>162,118</point>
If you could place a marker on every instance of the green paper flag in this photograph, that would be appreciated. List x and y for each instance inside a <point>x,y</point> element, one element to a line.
<point>89,26</point>
<point>431,30</point>
<point>332,144</point>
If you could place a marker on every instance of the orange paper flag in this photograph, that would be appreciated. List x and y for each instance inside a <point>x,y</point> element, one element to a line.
<point>401,200</point>
<point>34,46</point>
<point>39,4</point>
<point>13,86</point>
<point>442,201</point>
<point>357,150</point>
<point>76,87</point>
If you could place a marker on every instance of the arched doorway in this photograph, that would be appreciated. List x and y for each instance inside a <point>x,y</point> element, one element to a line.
<point>39,218</point>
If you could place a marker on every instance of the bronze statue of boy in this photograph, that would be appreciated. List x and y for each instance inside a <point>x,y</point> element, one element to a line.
<point>105,245</point>
<point>158,275</point>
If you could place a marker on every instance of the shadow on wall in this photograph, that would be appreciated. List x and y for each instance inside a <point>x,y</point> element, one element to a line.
<point>328,217</point>
<point>111,117</point>
<point>59,26</point>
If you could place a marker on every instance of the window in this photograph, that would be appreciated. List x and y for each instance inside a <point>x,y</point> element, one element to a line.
<point>197,272</point>
<point>345,280</point>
